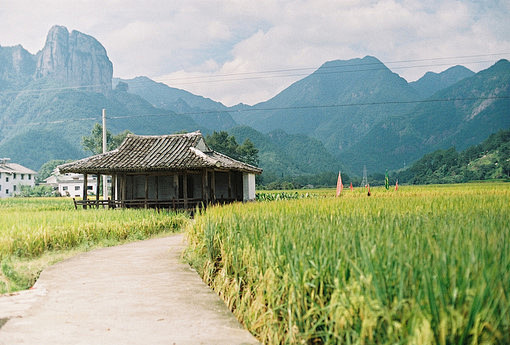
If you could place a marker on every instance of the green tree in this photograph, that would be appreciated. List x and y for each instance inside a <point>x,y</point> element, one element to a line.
<point>36,191</point>
<point>248,153</point>
<point>224,143</point>
<point>227,144</point>
<point>94,142</point>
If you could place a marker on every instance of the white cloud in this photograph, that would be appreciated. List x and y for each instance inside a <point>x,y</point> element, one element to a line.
<point>174,40</point>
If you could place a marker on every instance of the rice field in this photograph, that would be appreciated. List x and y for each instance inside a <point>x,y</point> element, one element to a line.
<point>32,227</point>
<point>421,265</point>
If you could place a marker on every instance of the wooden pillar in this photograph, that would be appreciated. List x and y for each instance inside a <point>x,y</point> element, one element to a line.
<point>113,191</point>
<point>213,186</point>
<point>123,190</point>
<point>85,182</point>
<point>98,186</point>
<point>185,189</point>
<point>176,186</point>
<point>156,182</point>
<point>205,187</point>
<point>146,189</point>
<point>229,185</point>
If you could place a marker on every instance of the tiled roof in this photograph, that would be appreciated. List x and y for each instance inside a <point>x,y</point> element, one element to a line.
<point>141,153</point>
<point>15,168</point>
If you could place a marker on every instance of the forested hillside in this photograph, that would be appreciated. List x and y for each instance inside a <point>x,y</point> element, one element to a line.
<point>488,160</point>
<point>461,115</point>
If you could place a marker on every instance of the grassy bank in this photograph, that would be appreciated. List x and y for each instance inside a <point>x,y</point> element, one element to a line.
<point>36,232</point>
<point>422,265</point>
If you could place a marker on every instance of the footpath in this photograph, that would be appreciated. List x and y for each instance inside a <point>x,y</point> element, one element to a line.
<point>138,293</point>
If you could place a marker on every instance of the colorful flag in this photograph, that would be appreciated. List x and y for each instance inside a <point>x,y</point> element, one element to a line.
<point>351,187</point>
<point>339,185</point>
<point>396,185</point>
<point>387,181</point>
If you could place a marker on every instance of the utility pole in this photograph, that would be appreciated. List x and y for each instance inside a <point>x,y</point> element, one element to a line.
<point>105,178</point>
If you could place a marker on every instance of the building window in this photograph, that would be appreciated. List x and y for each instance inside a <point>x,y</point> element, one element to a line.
<point>29,176</point>
<point>0,187</point>
<point>14,188</point>
<point>89,187</point>
<point>65,188</point>
<point>22,176</point>
<point>14,176</point>
<point>6,179</point>
<point>6,191</point>
<point>76,187</point>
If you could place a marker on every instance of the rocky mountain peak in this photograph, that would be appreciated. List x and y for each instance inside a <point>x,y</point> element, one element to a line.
<point>76,59</point>
<point>16,64</point>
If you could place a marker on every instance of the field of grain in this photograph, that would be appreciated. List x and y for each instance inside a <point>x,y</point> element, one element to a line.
<point>421,265</point>
<point>32,227</point>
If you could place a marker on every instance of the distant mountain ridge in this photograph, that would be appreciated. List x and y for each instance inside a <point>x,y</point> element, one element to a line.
<point>200,109</point>
<point>59,93</point>
<point>73,59</point>
<point>432,82</point>
<point>345,115</point>
<point>473,108</point>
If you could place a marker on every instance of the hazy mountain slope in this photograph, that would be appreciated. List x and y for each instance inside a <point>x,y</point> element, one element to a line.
<point>357,111</point>
<point>325,104</point>
<point>50,100</point>
<point>470,113</point>
<point>71,114</point>
<point>283,154</point>
<point>204,111</point>
<point>44,144</point>
<point>17,66</point>
<point>432,82</point>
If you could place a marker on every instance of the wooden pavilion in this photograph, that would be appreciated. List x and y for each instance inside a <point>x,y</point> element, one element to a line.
<point>167,171</point>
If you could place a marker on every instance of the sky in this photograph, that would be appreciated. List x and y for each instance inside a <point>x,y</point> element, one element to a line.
<point>237,51</point>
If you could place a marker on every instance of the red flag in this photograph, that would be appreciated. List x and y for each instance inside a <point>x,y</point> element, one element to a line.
<point>351,187</point>
<point>396,185</point>
<point>339,185</point>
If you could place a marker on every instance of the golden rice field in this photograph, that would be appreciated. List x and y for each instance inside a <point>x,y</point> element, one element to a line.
<point>421,265</point>
<point>31,227</point>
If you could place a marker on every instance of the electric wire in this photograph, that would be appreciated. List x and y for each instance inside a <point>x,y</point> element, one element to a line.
<point>322,70</point>
<point>256,109</point>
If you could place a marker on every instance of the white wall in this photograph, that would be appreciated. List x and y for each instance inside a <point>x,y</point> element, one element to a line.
<point>248,187</point>
<point>10,183</point>
<point>72,185</point>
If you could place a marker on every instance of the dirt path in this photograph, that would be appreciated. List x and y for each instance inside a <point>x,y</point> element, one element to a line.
<point>139,293</point>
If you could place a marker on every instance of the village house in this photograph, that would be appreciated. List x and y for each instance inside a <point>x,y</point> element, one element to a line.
<point>167,171</point>
<point>13,176</point>
<point>71,184</point>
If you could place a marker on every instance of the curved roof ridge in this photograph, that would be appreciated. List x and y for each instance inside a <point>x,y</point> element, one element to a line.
<point>190,134</point>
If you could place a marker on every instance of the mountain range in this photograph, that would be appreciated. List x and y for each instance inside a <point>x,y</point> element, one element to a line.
<point>345,115</point>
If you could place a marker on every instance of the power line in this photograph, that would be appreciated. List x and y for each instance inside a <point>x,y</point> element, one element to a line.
<point>253,109</point>
<point>346,65</point>
<point>319,71</point>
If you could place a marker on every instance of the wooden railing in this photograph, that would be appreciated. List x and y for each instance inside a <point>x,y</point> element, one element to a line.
<point>188,204</point>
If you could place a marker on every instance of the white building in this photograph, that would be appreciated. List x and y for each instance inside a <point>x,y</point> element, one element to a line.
<point>12,176</point>
<point>71,184</point>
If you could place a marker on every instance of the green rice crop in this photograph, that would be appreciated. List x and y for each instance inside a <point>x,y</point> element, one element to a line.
<point>421,265</point>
